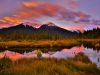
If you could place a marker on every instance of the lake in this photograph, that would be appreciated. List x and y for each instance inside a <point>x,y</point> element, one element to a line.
<point>91,53</point>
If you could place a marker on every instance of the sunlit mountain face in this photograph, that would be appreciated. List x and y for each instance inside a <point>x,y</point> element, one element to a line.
<point>68,14</point>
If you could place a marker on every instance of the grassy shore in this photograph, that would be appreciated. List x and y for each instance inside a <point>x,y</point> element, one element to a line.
<point>95,43</point>
<point>80,65</point>
<point>40,43</point>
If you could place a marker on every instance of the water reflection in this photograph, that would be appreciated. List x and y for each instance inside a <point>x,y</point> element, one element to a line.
<point>93,55</point>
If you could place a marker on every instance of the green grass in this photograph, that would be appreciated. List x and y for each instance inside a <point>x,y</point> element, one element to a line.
<point>80,65</point>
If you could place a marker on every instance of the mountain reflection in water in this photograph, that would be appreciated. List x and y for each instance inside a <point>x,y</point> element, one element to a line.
<point>93,55</point>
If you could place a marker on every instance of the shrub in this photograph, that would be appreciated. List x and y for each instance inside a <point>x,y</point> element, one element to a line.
<point>5,63</point>
<point>39,54</point>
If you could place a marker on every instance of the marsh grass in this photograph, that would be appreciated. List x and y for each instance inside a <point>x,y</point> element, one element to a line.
<point>49,43</point>
<point>5,63</point>
<point>91,43</point>
<point>40,43</point>
<point>52,66</point>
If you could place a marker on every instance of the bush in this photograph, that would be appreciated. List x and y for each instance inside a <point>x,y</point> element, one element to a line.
<point>5,63</point>
<point>39,54</point>
<point>82,57</point>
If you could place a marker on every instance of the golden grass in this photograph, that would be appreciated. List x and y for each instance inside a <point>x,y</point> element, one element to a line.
<point>93,42</point>
<point>51,66</point>
<point>41,43</point>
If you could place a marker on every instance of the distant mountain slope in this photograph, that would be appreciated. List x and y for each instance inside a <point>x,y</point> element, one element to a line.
<point>46,31</point>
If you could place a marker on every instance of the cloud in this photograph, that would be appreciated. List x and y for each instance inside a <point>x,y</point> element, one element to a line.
<point>31,10</point>
<point>36,9</point>
<point>70,4</point>
<point>30,4</point>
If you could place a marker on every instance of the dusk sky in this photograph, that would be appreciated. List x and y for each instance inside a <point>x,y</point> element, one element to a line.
<point>68,14</point>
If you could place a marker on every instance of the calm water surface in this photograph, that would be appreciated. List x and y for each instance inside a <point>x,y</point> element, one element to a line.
<point>93,55</point>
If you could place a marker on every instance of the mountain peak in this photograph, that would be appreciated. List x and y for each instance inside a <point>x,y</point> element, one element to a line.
<point>33,24</point>
<point>36,25</point>
<point>50,24</point>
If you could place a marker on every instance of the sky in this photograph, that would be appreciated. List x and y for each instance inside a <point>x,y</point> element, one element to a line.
<point>69,14</point>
